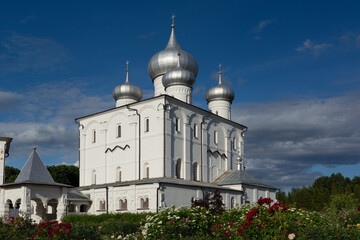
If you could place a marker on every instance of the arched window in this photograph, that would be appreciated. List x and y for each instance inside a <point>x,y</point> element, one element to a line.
<point>118,174</point>
<point>215,137</point>
<point>145,204</point>
<point>196,135</point>
<point>102,205</point>
<point>118,131</point>
<point>177,124</point>
<point>146,171</point>
<point>93,177</point>
<point>195,172</point>
<point>147,124</point>
<point>232,202</point>
<point>234,143</point>
<point>178,168</point>
<point>123,204</point>
<point>93,136</point>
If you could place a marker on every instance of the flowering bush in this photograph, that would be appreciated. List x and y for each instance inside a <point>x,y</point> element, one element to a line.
<point>258,221</point>
<point>52,230</point>
<point>174,223</point>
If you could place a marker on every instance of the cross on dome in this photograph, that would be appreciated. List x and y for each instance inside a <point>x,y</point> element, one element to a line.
<point>173,20</point>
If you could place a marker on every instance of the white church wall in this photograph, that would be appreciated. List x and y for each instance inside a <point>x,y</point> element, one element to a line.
<point>95,163</point>
<point>182,144</point>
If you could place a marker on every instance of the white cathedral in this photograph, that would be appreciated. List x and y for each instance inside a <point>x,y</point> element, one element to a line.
<point>145,155</point>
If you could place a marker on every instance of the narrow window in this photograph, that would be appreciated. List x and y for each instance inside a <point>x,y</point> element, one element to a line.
<point>234,143</point>
<point>195,131</point>
<point>232,202</point>
<point>195,172</point>
<point>93,177</point>
<point>178,168</point>
<point>215,137</point>
<point>147,125</point>
<point>118,133</point>
<point>147,172</point>
<point>119,175</point>
<point>177,124</point>
<point>217,113</point>
<point>93,136</point>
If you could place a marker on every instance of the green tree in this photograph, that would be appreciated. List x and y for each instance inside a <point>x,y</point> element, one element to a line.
<point>11,174</point>
<point>357,192</point>
<point>65,174</point>
<point>321,198</point>
<point>281,197</point>
<point>303,198</point>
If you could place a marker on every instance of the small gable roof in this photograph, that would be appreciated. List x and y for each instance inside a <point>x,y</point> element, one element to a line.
<point>240,177</point>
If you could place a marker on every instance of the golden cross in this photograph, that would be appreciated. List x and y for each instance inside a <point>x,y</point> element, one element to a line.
<point>127,65</point>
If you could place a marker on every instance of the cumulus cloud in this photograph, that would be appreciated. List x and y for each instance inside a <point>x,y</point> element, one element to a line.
<point>9,100</point>
<point>286,138</point>
<point>46,119</point>
<point>261,25</point>
<point>316,49</point>
<point>19,53</point>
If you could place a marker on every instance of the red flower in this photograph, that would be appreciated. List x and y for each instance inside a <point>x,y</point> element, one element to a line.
<point>263,201</point>
<point>252,213</point>
<point>359,208</point>
<point>231,224</point>
<point>228,235</point>
<point>219,226</point>
<point>239,230</point>
<point>38,233</point>
<point>278,207</point>
<point>213,229</point>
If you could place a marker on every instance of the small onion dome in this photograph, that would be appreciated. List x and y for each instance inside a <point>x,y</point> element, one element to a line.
<point>220,92</point>
<point>166,59</point>
<point>178,76</point>
<point>127,90</point>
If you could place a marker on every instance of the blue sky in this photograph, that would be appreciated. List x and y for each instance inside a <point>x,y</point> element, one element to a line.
<point>294,66</point>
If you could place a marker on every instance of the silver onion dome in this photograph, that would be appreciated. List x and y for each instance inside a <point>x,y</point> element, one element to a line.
<point>127,90</point>
<point>220,92</point>
<point>166,59</point>
<point>178,76</point>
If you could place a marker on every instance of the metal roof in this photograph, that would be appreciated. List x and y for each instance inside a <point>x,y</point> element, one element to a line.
<point>175,181</point>
<point>240,177</point>
<point>75,195</point>
<point>35,172</point>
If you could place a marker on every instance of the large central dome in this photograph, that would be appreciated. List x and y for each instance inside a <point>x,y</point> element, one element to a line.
<point>167,59</point>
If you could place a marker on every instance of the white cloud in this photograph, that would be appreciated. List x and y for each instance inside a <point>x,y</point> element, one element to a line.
<point>316,49</point>
<point>261,25</point>
<point>286,138</point>
<point>9,100</point>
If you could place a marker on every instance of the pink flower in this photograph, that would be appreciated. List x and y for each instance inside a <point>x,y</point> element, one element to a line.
<point>171,222</point>
<point>99,227</point>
